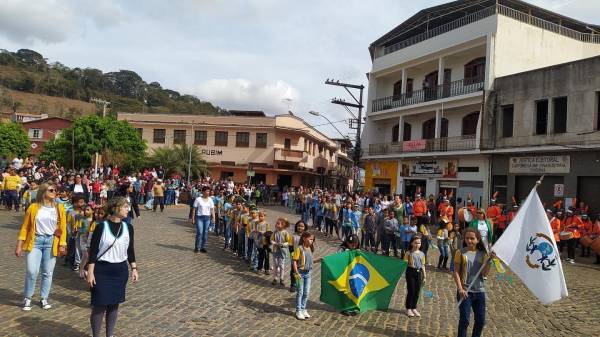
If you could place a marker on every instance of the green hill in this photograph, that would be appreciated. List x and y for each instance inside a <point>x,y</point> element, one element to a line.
<point>28,71</point>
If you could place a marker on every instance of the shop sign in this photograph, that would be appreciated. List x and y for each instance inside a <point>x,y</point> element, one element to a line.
<point>381,169</point>
<point>540,164</point>
<point>414,145</point>
<point>430,168</point>
<point>250,173</point>
<point>211,152</point>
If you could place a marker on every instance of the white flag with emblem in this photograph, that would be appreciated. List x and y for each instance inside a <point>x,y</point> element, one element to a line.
<point>528,248</point>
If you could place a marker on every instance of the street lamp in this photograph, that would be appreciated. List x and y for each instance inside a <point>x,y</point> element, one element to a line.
<point>316,113</point>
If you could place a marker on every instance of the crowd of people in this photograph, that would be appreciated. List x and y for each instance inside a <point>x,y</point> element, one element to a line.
<point>86,217</point>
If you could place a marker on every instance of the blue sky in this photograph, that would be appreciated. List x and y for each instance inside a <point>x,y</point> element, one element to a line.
<point>251,54</point>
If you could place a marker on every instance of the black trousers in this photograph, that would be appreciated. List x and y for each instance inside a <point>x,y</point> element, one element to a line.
<point>369,241</point>
<point>387,240</point>
<point>330,224</point>
<point>263,258</point>
<point>571,248</point>
<point>414,280</point>
<point>159,201</point>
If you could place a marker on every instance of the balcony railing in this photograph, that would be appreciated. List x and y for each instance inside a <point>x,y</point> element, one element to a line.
<point>456,88</point>
<point>289,155</point>
<point>461,143</point>
<point>484,13</point>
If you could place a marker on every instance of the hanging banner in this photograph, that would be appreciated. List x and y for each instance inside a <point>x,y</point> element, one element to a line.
<point>430,168</point>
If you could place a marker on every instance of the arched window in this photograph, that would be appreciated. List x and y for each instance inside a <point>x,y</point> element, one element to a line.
<point>469,124</point>
<point>398,89</point>
<point>395,133</point>
<point>429,129</point>
<point>407,132</point>
<point>475,71</point>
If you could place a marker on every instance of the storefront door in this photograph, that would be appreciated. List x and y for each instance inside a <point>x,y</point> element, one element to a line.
<point>411,186</point>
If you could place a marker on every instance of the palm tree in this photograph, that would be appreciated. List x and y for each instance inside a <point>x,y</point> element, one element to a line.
<point>177,160</point>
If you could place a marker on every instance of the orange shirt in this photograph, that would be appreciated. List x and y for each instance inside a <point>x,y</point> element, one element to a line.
<point>572,224</point>
<point>419,207</point>
<point>493,212</point>
<point>501,220</point>
<point>596,229</point>
<point>556,227</point>
<point>448,211</point>
<point>586,227</point>
<point>511,216</point>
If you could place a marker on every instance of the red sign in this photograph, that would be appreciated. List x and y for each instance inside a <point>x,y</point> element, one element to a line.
<point>414,145</point>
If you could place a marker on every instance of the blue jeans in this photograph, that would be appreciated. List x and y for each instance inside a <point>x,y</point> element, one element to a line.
<point>302,290</point>
<point>476,301</point>
<point>12,198</point>
<point>40,256</point>
<point>444,250</point>
<point>202,223</point>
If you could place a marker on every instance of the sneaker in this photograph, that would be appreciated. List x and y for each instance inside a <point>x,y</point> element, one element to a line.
<point>196,250</point>
<point>274,282</point>
<point>410,313</point>
<point>281,283</point>
<point>26,304</point>
<point>300,315</point>
<point>571,261</point>
<point>267,272</point>
<point>76,267</point>
<point>202,250</point>
<point>416,313</point>
<point>305,313</point>
<point>45,305</point>
<point>293,290</point>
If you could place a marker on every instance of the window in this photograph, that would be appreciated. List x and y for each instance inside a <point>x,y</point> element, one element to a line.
<point>140,131</point>
<point>320,148</point>
<point>179,137</point>
<point>200,137</point>
<point>469,124</point>
<point>287,143</point>
<point>261,140</point>
<point>407,132</point>
<point>221,138</point>
<point>475,71</point>
<point>395,133</point>
<point>159,136</point>
<point>560,114</point>
<point>508,112</point>
<point>242,139</point>
<point>429,129</point>
<point>541,117</point>
<point>35,133</point>
<point>398,89</point>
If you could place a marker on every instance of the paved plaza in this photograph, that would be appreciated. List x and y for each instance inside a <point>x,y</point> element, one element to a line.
<point>184,294</point>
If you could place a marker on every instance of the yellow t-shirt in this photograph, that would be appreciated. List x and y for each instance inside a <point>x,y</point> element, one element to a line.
<point>11,182</point>
<point>158,190</point>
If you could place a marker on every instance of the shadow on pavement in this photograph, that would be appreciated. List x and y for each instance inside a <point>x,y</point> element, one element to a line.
<point>264,307</point>
<point>389,331</point>
<point>176,247</point>
<point>255,279</point>
<point>33,326</point>
<point>67,278</point>
<point>10,297</point>
<point>312,305</point>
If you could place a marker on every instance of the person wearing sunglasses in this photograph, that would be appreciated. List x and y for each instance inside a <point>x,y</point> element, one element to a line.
<point>43,236</point>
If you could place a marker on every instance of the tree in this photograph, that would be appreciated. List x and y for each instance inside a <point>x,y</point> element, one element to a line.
<point>92,134</point>
<point>13,140</point>
<point>176,160</point>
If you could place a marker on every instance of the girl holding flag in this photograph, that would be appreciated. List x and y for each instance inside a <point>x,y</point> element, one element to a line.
<point>467,263</point>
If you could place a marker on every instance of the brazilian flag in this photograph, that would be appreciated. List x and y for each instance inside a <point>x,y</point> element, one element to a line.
<point>357,280</point>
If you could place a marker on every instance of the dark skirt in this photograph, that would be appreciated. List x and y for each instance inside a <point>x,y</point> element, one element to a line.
<point>111,280</point>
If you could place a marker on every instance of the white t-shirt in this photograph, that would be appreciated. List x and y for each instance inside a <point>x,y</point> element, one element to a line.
<point>483,230</point>
<point>46,220</point>
<point>204,207</point>
<point>77,188</point>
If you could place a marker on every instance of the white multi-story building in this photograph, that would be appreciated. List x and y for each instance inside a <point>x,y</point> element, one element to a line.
<point>430,80</point>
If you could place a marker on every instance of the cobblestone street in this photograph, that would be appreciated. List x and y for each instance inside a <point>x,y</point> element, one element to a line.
<point>184,294</point>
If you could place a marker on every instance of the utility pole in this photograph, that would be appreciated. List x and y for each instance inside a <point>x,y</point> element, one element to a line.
<point>190,158</point>
<point>104,103</point>
<point>355,123</point>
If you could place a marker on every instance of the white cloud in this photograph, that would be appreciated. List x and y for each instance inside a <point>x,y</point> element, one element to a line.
<point>54,21</point>
<point>244,94</point>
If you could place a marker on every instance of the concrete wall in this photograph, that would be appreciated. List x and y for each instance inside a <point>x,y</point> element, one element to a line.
<point>521,47</point>
<point>578,81</point>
